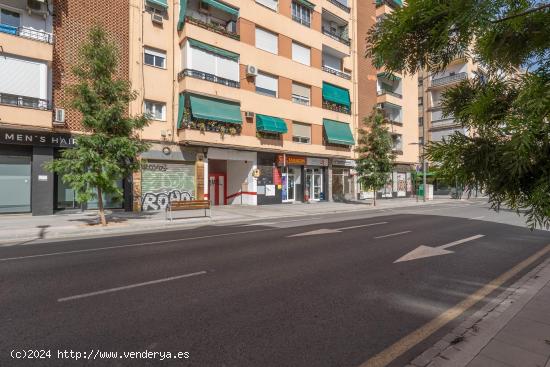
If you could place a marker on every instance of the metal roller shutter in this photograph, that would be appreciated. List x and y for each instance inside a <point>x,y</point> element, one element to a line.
<point>163,181</point>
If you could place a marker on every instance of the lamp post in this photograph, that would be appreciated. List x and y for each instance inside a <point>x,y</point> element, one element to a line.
<point>423,168</point>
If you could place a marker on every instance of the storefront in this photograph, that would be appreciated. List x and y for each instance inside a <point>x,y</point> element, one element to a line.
<point>303,178</point>
<point>168,174</point>
<point>343,179</point>
<point>398,185</point>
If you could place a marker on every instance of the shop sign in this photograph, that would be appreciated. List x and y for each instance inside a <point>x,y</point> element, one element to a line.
<point>22,137</point>
<point>343,162</point>
<point>291,160</point>
<point>317,162</point>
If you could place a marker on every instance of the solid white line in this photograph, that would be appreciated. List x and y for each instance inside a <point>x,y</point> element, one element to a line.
<point>461,241</point>
<point>91,294</point>
<point>362,225</point>
<point>477,217</point>
<point>393,234</point>
<point>133,245</point>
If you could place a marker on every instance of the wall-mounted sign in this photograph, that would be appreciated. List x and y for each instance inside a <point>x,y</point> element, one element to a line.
<point>291,160</point>
<point>47,139</point>
<point>42,177</point>
<point>269,190</point>
<point>256,173</point>
<point>343,162</point>
<point>317,162</point>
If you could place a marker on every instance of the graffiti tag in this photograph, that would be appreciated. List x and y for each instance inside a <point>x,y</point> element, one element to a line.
<point>160,200</point>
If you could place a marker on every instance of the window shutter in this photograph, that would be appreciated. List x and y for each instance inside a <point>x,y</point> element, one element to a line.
<point>23,77</point>
<point>301,90</point>
<point>267,82</point>
<point>300,53</point>
<point>301,130</point>
<point>266,41</point>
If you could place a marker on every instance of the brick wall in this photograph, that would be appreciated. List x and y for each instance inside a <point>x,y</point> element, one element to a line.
<point>366,72</point>
<point>72,21</point>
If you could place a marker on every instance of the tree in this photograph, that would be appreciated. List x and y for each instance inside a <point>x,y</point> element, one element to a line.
<point>107,151</point>
<point>505,106</point>
<point>375,148</point>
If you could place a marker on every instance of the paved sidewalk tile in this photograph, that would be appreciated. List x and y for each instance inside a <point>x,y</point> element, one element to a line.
<point>482,361</point>
<point>512,355</point>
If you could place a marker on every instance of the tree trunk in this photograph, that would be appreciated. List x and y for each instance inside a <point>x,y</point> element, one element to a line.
<point>374,197</point>
<point>100,207</point>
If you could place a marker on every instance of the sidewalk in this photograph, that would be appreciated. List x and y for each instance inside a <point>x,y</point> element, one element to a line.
<point>25,227</point>
<point>510,331</point>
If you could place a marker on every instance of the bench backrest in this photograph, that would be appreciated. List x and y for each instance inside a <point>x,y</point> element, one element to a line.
<point>190,204</point>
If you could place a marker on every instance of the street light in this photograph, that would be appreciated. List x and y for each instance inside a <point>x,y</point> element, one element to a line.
<point>423,168</point>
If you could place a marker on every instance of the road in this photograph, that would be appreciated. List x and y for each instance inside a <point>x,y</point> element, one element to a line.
<point>317,291</point>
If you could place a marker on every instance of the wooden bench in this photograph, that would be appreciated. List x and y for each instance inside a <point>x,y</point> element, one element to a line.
<point>188,205</point>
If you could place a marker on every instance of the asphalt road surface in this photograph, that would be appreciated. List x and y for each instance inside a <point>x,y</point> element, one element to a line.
<point>300,292</point>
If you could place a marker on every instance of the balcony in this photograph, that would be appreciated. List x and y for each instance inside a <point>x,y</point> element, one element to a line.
<point>339,73</point>
<point>327,105</point>
<point>450,79</point>
<point>390,3</point>
<point>338,36</point>
<point>208,77</point>
<point>389,93</point>
<point>392,113</point>
<point>340,5</point>
<point>228,31</point>
<point>443,123</point>
<point>25,102</point>
<point>28,33</point>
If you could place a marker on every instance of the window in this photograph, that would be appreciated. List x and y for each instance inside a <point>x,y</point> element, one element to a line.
<point>421,141</point>
<point>154,58</point>
<point>267,84</point>
<point>23,78</point>
<point>332,62</point>
<point>420,101</point>
<point>10,18</point>
<point>397,142</point>
<point>266,41</point>
<point>210,63</point>
<point>271,4</point>
<point>155,110</point>
<point>301,133</point>
<point>301,53</point>
<point>301,14</point>
<point>301,94</point>
<point>421,121</point>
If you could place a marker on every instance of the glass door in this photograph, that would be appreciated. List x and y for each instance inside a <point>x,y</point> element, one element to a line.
<point>314,184</point>
<point>289,185</point>
<point>15,184</point>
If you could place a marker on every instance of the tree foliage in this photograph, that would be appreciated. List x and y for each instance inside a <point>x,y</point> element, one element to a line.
<point>505,106</point>
<point>107,151</point>
<point>375,152</point>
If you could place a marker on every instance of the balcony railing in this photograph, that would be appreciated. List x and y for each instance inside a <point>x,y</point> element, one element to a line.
<point>213,27</point>
<point>340,5</point>
<point>27,33</point>
<point>302,21</point>
<point>443,122</point>
<point>300,99</point>
<point>209,77</point>
<point>336,36</point>
<point>22,101</point>
<point>389,92</point>
<point>339,73</point>
<point>327,105</point>
<point>449,79</point>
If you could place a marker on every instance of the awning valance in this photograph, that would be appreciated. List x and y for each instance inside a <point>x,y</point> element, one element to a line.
<point>306,3</point>
<point>215,110</point>
<point>270,124</point>
<point>336,94</point>
<point>213,49</point>
<point>161,3</point>
<point>338,132</point>
<point>221,6</point>
<point>388,76</point>
<point>183,10</point>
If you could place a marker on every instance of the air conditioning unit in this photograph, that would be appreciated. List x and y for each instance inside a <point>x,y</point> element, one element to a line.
<point>157,18</point>
<point>231,27</point>
<point>37,7</point>
<point>59,117</point>
<point>249,115</point>
<point>251,70</point>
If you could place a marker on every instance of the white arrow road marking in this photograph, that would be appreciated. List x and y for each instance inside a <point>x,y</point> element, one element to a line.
<point>335,230</point>
<point>129,286</point>
<point>392,234</point>
<point>426,251</point>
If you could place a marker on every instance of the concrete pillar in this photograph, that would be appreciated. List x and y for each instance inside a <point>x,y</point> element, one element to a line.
<point>42,184</point>
<point>136,191</point>
<point>329,180</point>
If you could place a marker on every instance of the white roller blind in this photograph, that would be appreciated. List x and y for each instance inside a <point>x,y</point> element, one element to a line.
<point>301,53</point>
<point>301,90</point>
<point>332,62</point>
<point>267,82</point>
<point>227,68</point>
<point>23,77</point>
<point>272,4</point>
<point>211,63</point>
<point>266,41</point>
<point>301,130</point>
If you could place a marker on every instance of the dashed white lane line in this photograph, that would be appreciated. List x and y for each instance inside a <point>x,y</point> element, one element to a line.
<point>281,221</point>
<point>393,234</point>
<point>117,289</point>
<point>475,218</point>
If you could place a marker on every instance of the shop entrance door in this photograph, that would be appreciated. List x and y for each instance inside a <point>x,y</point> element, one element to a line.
<point>15,184</point>
<point>314,184</point>
<point>289,185</point>
<point>217,189</point>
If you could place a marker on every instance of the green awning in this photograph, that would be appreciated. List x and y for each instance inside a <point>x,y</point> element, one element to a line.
<point>336,94</point>
<point>213,49</point>
<point>183,10</point>
<point>390,105</point>
<point>181,109</point>
<point>388,76</point>
<point>338,132</point>
<point>215,110</point>
<point>162,3</point>
<point>306,3</point>
<point>225,8</point>
<point>270,124</point>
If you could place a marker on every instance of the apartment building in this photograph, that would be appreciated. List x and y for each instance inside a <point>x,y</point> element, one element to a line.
<point>251,101</point>
<point>397,96</point>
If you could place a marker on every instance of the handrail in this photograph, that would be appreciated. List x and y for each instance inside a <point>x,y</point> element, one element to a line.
<point>27,33</point>
<point>209,77</point>
<point>449,79</point>
<point>339,73</point>
<point>23,101</point>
